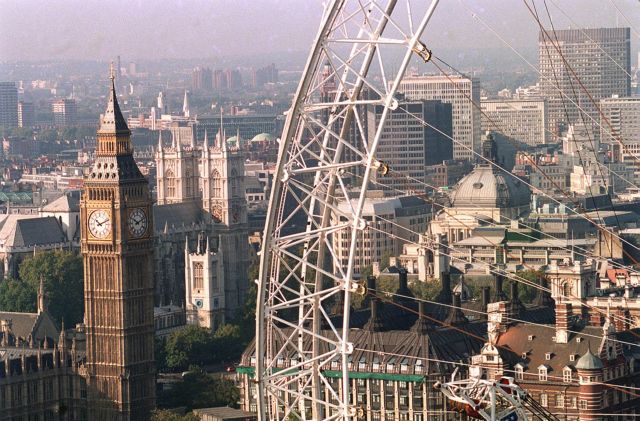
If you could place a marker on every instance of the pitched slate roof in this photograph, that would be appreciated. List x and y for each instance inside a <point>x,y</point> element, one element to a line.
<point>65,203</point>
<point>30,230</point>
<point>176,214</point>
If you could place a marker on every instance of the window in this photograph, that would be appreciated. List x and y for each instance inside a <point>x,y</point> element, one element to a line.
<point>216,184</point>
<point>559,400</point>
<point>547,356</point>
<point>519,372</point>
<point>543,400</point>
<point>583,404</point>
<point>542,374</point>
<point>198,276</point>
<point>573,402</point>
<point>566,375</point>
<point>171,183</point>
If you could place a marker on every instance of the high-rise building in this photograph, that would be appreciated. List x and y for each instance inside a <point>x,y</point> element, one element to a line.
<point>117,249</point>
<point>8,105</point>
<point>202,78</point>
<point>597,61</point>
<point>620,120</point>
<point>463,94</point>
<point>524,120</point>
<point>64,112</point>
<point>407,146</point>
<point>620,124</point>
<point>264,75</point>
<point>26,114</point>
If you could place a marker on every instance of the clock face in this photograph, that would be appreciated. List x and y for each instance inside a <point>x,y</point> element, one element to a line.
<point>100,223</point>
<point>137,222</point>
<point>217,213</point>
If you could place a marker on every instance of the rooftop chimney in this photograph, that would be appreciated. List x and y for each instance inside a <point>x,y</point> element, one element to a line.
<point>563,314</point>
<point>456,316</point>
<point>544,297</point>
<point>445,292</point>
<point>403,287</point>
<point>486,297</point>
<point>421,326</point>
<point>375,322</point>
<point>499,294</point>
<point>516,305</point>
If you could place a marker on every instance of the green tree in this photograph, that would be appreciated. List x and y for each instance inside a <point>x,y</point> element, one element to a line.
<point>63,276</point>
<point>63,281</point>
<point>166,415</point>
<point>229,342</point>
<point>17,295</point>
<point>198,389</point>
<point>191,345</point>
<point>160,354</point>
<point>526,293</point>
<point>425,290</point>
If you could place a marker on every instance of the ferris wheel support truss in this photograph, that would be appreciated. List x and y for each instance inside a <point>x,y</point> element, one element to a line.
<point>325,141</point>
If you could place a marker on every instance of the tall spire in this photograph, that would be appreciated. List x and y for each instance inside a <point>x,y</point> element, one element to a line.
<point>112,120</point>
<point>185,105</point>
<point>42,305</point>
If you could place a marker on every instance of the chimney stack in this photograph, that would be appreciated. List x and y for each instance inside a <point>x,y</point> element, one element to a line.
<point>499,294</point>
<point>445,292</point>
<point>421,326</point>
<point>375,322</point>
<point>456,316</point>
<point>516,305</point>
<point>563,314</point>
<point>486,297</point>
<point>544,297</point>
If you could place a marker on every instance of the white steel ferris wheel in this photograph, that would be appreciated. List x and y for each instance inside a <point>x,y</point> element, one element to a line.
<point>327,155</point>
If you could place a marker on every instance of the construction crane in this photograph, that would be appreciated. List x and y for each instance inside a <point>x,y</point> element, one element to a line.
<point>492,400</point>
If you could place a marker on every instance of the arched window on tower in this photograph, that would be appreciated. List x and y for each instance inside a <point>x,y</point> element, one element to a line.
<point>234,183</point>
<point>216,184</point>
<point>189,183</point>
<point>171,183</point>
<point>198,276</point>
<point>566,289</point>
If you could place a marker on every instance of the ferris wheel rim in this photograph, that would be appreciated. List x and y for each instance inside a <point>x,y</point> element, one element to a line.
<point>268,275</point>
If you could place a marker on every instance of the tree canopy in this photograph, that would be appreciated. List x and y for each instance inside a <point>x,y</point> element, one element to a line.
<point>62,273</point>
<point>198,389</point>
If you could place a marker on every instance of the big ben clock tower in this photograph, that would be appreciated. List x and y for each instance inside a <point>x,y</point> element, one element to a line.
<point>117,253</point>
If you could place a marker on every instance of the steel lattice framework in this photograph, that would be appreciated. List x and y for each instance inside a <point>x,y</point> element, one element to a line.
<point>327,155</point>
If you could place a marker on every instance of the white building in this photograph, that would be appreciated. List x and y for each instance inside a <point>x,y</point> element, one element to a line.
<point>204,285</point>
<point>524,120</point>
<point>405,217</point>
<point>460,93</point>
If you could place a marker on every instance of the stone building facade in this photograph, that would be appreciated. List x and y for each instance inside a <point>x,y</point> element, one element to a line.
<point>200,192</point>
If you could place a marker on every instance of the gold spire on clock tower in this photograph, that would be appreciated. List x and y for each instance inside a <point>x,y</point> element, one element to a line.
<point>117,252</point>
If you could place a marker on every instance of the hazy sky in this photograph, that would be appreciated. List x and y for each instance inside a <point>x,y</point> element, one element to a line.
<point>143,29</point>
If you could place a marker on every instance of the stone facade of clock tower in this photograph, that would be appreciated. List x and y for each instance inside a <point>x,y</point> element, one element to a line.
<point>117,252</point>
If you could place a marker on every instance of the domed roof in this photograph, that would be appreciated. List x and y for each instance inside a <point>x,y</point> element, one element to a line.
<point>487,186</point>
<point>589,362</point>
<point>263,137</point>
<point>233,141</point>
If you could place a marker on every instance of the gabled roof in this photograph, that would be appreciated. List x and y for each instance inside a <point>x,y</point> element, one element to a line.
<point>176,214</point>
<point>65,203</point>
<point>27,231</point>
